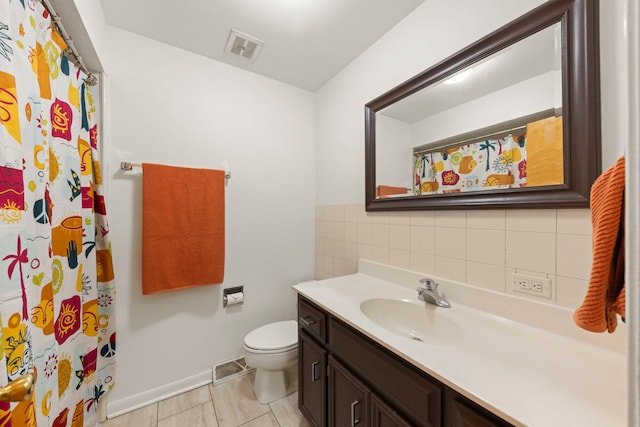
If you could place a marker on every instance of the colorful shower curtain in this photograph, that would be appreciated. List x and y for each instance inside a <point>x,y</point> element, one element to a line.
<point>56,275</point>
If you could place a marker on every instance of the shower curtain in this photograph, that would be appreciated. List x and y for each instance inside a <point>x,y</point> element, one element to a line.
<point>56,275</point>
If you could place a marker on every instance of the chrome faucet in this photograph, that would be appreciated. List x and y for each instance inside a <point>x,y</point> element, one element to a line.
<point>430,294</point>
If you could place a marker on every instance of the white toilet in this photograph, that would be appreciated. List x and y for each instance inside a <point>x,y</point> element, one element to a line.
<point>272,349</point>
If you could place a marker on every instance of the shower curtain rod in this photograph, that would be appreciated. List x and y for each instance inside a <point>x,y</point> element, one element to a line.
<point>127,166</point>
<point>71,49</point>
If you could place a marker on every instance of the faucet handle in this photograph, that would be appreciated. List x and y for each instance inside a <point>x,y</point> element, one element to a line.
<point>429,284</point>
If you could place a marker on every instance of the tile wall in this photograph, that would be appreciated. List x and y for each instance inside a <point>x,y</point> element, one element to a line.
<point>483,248</point>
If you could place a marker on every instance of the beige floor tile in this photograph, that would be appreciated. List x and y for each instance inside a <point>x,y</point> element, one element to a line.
<point>266,420</point>
<point>235,403</point>
<point>199,416</point>
<point>287,413</point>
<point>184,401</point>
<point>143,417</point>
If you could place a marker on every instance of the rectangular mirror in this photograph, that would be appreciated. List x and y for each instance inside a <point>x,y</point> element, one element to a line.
<point>510,121</point>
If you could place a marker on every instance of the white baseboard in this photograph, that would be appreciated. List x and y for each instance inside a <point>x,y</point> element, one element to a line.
<point>131,403</point>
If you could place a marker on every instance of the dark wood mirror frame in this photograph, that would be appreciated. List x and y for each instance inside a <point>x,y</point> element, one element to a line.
<point>580,106</point>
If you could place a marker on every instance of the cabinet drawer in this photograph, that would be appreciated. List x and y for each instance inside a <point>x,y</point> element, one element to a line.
<point>414,396</point>
<point>312,319</point>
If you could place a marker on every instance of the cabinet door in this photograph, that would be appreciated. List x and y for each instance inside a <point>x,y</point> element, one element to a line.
<point>348,398</point>
<point>312,380</point>
<point>382,415</point>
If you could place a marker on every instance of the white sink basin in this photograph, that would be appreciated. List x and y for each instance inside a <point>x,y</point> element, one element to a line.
<point>414,320</point>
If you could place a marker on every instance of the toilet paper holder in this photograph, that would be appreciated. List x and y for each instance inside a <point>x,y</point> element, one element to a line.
<point>226,299</point>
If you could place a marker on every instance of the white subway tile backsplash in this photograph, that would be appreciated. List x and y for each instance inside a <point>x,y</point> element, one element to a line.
<point>321,275</point>
<point>423,218</point>
<point>531,251</point>
<point>451,242</point>
<point>362,216</point>
<point>337,249</point>
<point>380,235</point>
<point>351,232</point>
<point>400,237</point>
<point>351,252</point>
<point>483,248</point>
<point>400,258</point>
<point>364,233</point>
<point>380,254</point>
<point>423,263</point>
<point>323,229</point>
<point>351,267</point>
<point>364,251</point>
<point>486,246</point>
<point>338,213</point>
<point>351,213</point>
<point>423,240</point>
<point>574,256</point>
<point>450,268</point>
<point>538,220</point>
<point>400,218</point>
<point>486,220</point>
<point>378,217</point>
<point>486,275</point>
<point>338,266</point>
<point>455,219</point>
<point>575,221</point>
<point>337,230</point>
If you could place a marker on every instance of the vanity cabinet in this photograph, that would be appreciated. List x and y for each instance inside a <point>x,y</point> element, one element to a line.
<point>365,384</point>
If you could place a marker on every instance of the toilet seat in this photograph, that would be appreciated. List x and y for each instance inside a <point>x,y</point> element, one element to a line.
<point>275,337</point>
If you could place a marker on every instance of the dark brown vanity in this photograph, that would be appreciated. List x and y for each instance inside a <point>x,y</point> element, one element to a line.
<point>347,379</point>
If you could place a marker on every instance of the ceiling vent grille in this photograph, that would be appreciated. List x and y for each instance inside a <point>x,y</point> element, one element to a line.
<point>243,45</point>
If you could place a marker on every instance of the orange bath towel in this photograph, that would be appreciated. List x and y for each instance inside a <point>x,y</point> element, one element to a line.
<point>182,227</point>
<point>605,296</point>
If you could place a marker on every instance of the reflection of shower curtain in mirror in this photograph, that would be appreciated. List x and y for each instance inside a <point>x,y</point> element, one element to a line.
<point>56,276</point>
<point>497,163</point>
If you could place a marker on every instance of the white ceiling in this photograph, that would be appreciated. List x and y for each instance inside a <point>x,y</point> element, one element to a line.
<point>306,41</point>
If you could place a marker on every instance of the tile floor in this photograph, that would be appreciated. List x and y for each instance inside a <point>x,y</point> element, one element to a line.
<point>230,404</point>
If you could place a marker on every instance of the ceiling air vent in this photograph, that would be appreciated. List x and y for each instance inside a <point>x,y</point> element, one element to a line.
<point>243,45</point>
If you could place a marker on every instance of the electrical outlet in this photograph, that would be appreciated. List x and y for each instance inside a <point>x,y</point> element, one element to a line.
<point>530,285</point>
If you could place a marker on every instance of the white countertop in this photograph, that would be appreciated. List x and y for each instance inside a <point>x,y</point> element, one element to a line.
<point>526,375</point>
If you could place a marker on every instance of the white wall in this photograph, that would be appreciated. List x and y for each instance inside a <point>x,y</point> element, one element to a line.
<point>172,107</point>
<point>394,152</point>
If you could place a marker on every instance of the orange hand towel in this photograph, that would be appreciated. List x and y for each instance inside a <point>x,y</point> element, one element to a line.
<point>182,227</point>
<point>388,190</point>
<point>605,296</point>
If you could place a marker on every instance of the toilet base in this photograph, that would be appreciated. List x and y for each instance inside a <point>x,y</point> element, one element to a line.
<point>270,385</point>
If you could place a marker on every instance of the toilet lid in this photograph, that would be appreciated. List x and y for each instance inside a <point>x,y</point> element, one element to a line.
<point>274,336</point>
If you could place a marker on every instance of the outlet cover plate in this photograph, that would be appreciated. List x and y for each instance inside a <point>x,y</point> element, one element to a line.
<point>531,285</point>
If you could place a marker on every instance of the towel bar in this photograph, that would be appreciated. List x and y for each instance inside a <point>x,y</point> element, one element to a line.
<point>127,166</point>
